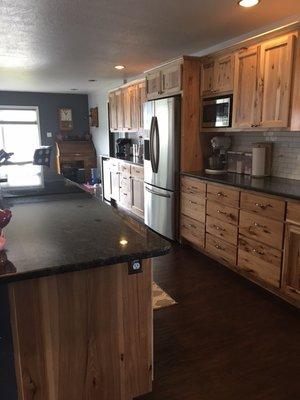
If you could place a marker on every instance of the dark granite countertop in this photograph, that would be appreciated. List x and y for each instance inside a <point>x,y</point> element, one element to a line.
<point>57,227</point>
<point>288,188</point>
<point>131,160</point>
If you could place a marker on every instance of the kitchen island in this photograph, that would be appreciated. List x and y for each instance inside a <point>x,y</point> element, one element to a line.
<point>79,280</point>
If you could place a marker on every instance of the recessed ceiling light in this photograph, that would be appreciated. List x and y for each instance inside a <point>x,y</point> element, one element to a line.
<point>92,80</point>
<point>73,89</point>
<point>248,3</point>
<point>123,242</point>
<point>119,67</point>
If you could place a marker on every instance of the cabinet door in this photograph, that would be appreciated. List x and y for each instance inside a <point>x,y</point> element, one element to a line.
<point>141,101</point>
<point>223,74</point>
<point>112,111</point>
<point>207,77</point>
<point>245,105</point>
<point>120,109</point>
<point>291,266</point>
<point>153,80</point>
<point>171,79</point>
<point>137,196</point>
<point>126,108</point>
<point>115,185</point>
<point>276,62</point>
<point>134,107</point>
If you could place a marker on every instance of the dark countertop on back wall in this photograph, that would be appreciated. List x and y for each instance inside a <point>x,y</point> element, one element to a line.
<point>130,160</point>
<point>58,227</point>
<point>288,188</point>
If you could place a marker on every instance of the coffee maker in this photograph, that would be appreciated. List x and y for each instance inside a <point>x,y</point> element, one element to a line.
<point>216,162</point>
<point>123,147</point>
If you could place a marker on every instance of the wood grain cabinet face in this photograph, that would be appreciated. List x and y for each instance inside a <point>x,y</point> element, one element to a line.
<point>137,196</point>
<point>193,206</point>
<point>223,195</point>
<point>120,109</point>
<point>291,266</point>
<point>262,229</point>
<point>276,63</point>
<point>222,230</point>
<point>193,186</point>
<point>153,80</point>
<point>171,79</point>
<point>207,77</point>
<point>221,249</point>
<point>192,230</point>
<point>245,103</point>
<point>263,205</point>
<point>142,98</point>
<point>222,212</point>
<point>223,74</point>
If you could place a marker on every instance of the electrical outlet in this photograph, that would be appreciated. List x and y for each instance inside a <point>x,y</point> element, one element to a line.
<point>135,267</point>
<point>49,134</point>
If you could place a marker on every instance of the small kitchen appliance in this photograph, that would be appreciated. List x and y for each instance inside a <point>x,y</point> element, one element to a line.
<point>216,162</point>
<point>123,147</point>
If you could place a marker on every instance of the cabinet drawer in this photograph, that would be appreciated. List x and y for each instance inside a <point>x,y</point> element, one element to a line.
<point>193,186</point>
<point>125,169</point>
<point>293,212</point>
<point>262,205</point>
<point>193,206</point>
<point>261,251</point>
<point>259,269</point>
<point>192,230</point>
<point>137,172</point>
<point>125,182</point>
<point>263,229</point>
<point>222,230</point>
<point>125,198</point>
<point>223,195</point>
<point>114,166</point>
<point>221,212</point>
<point>220,249</point>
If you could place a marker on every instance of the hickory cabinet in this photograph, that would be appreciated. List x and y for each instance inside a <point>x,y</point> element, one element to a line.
<point>126,185</point>
<point>164,81</point>
<point>255,234</point>
<point>126,107</point>
<point>217,75</point>
<point>263,79</point>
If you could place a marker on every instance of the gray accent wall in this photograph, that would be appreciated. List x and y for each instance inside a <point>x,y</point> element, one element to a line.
<point>48,104</point>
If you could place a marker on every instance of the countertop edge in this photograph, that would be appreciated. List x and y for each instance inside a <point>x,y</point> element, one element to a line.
<point>213,179</point>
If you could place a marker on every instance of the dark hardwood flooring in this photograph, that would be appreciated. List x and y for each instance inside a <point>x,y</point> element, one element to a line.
<point>227,339</point>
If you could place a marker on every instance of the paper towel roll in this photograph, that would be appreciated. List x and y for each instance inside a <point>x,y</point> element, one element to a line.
<point>258,161</point>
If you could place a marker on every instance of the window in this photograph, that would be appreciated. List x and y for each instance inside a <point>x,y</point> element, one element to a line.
<point>20,134</point>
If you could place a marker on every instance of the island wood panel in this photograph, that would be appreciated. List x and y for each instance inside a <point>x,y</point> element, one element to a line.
<point>291,265</point>
<point>83,335</point>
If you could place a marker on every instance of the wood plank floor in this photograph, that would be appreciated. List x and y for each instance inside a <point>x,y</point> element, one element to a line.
<point>226,339</point>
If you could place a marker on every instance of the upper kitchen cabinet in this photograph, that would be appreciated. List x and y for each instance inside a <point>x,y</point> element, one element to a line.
<point>217,75</point>
<point>276,64</point>
<point>126,107</point>
<point>245,105</point>
<point>112,111</point>
<point>164,81</point>
<point>263,84</point>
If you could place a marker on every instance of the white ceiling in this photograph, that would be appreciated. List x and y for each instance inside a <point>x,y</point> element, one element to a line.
<point>56,45</point>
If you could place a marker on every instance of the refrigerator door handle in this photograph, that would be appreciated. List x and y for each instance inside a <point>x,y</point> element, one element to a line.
<point>157,150</point>
<point>156,193</point>
<point>151,150</point>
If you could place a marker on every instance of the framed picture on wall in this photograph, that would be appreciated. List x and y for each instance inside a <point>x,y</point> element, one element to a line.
<point>65,119</point>
<point>94,120</point>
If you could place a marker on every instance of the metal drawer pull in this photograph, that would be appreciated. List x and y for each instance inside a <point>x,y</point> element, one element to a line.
<point>218,247</point>
<point>189,226</point>
<point>221,194</point>
<point>263,206</point>
<point>192,202</point>
<point>261,253</point>
<point>225,213</point>
<point>158,194</point>
<point>218,228</point>
<point>259,225</point>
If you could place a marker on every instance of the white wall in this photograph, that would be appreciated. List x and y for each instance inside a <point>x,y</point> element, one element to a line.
<point>99,98</point>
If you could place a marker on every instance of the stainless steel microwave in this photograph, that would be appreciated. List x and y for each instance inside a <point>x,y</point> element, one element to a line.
<point>217,112</point>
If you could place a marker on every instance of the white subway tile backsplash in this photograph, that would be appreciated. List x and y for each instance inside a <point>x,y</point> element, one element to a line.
<point>286,150</point>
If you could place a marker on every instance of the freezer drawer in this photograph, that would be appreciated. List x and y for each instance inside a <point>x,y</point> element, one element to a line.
<point>161,211</point>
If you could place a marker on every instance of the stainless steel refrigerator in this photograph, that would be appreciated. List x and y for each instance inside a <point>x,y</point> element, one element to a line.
<point>161,165</point>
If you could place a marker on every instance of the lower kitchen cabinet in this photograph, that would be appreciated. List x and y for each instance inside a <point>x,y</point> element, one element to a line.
<point>291,266</point>
<point>127,185</point>
<point>255,234</point>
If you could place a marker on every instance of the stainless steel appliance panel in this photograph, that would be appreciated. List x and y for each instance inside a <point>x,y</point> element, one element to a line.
<point>160,211</point>
<point>162,166</point>
<point>217,112</point>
